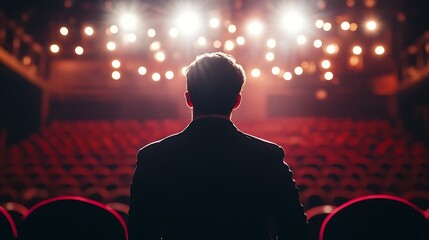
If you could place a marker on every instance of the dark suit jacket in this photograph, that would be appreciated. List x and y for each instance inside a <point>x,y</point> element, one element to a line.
<point>213,182</point>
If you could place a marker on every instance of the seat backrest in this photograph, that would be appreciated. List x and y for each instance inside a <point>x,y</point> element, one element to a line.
<point>7,226</point>
<point>72,217</point>
<point>375,217</point>
<point>315,217</point>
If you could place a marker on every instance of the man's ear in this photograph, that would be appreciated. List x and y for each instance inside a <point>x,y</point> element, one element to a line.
<point>188,100</point>
<point>237,104</point>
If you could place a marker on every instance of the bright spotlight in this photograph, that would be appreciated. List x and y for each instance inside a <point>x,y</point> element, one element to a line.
<point>151,33</point>
<point>301,39</point>
<point>202,41</point>
<point>269,56</point>
<point>345,25</point>
<point>64,31</point>
<point>327,26</point>
<point>329,76</point>
<point>129,22</point>
<point>319,23</point>
<point>156,77</point>
<point>184,70</point>
<point>371,25</point>
<point>255,28</point>
<point>142,70</point>
<point>271,43</point>
<point>78,50</point>
<point>275,70</point>
<point>217,44</point>
<point>229,45</point>
<point>131,37</point>
<point>89,31</point>
<point>317,43</point>
<point>293,22</point>
<point>379,50</point>
<point>174,32</point>
<point>214,23</point>
<point>357,50</point>
<point>332,49</point>
<point>188,22</point>
<point>116,63</point>
<point>298,70</point>
<point>111,46</point>
<point>287,76</point>
<point>241,40</point>
<point>155,46</point>
<point>255,72</point>
<point>54,48</point>
<point>169,75</point>
<point>116,75</point>
<point>326,64</point>
<point>232,28</point>
<point>160,56</point>
<point>114,29</point>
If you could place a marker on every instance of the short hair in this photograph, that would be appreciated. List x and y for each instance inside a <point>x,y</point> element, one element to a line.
<point>214,81</point>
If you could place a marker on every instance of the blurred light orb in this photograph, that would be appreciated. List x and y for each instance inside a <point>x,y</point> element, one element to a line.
<point>128,21</point>
<point>299,70</point>
<point>275,70</point>
<point>184,70</point>
<point>317,43</point>
<point>287,76</point>
<point>357,50</point>
<point>131,37</point>
<point>353,27</point>
<point>329,76</point>
<point>188,22</point>
<point>116,63</point>
<point>229,45</point>
<point>371,25</point>
<point>214,22</point>
<point>332,49</point>
<point>232,28</point>
<point>327,26</point>
<point>54,48</point>
<point>89,31</point>
<point>156,77</point>
<point>155,46</point>
<point>142,70</point>
<point>379,50</point>
<point>202,41</point>
<point>169,75</point>
<point>255,72</point>
<point>255,28</point>
<point>301,39</point>
<point>293,21</point>
<point>269,56</point>
<point>217,44</point>
<point>111,46</point>
<point>325,64</point>
<point>160,56</point>
<point>345,25</point>
<point>114,29</point>
<point>354,61</point>
<point>271,43</point>
<point>64,31</point>
<point>321,94</point>
<point>151,33</point>
<point>116,75</point>
<point>319,23</point>
<point>241,40</point>
<point>79,50</point>
<point>174,32</point>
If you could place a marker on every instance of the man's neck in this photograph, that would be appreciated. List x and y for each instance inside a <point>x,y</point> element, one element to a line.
<point>219,116</point>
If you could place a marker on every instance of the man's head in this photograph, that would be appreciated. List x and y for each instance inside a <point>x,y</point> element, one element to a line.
<point>214,82</point>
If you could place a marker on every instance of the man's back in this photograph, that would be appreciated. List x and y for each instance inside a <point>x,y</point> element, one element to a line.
<point>213,182</point>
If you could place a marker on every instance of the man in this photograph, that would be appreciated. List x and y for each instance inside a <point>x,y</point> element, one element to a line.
<point>211,181</point>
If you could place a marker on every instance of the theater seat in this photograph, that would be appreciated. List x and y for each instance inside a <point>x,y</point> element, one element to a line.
<point>315,217</point>
<point>7,226</point>
<point>376,217</point>
<point>70,218</point>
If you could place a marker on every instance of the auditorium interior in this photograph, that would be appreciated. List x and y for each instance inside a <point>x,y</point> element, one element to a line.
<point>341,85</point>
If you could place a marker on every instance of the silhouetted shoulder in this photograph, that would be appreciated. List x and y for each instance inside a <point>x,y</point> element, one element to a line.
<point>257,143</point>
<point>160,146</point>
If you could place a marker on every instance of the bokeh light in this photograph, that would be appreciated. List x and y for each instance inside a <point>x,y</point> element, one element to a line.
<point>255,72</point>
<point>287,76</point>
<point>89,31</point>
<point>116,63</point>
<point>79,50</point>
<point>142,70</point>
<point>54,48</point>
<point>64,31</point>
<point>116,75</point>
<point>111,46</point>
<point>156,77</point>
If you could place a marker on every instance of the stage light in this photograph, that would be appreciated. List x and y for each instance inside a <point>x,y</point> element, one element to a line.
<point>111,46</point>
<point>301,39</point>
<point>255,72</point>
<point>271,43</point>
<point>275,70</point>
<point>188,22</point>
<point>298,71</point>
<point>255,28</point>
<point>293,22</point>
<point>357,50</point>
<point>321,94</point>
<point>241,40</point>
<point>371,25</point>
<point>160,56</point>
<point>64,31</point>
<point>131,37</point>
<point>114,29</point>
<point>379,50</point>
<point>332,49</point>
<point>169,75</point>
<point>155,46</point>
<point>350,3</point>
<point>369,3</point>
<point>156,77</point>
<point>229,45</point>
<point>327,26</point>
<point>317,43</point>
<point>116,75</point>
<point>269,56</point>
<point>78,50</point>
<point>54,48</point>
<point>325,64</point>
<point>89,31</point>
<point>174,32</point>
<point>214,23</point>
<point>319,23</point>
<point>142,70</point>
<point>353,27</point>
<point>128,21</point>
<point>354,61</point>
<point>217,44</point>
<point>116,63</point>
<point>329,76</point>
<point>287,76</point>
<point>345,25</point>
<point>151,33</point>
<point>232,28</point>
<point>202,41</point>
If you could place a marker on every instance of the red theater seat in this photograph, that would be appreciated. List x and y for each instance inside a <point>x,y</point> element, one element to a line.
<point>7,226</point>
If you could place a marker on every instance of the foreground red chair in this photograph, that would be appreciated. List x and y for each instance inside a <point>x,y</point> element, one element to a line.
<point>7,226</point>
<point>315,217</point>
<point>376,217</point>
<point>70,218</point>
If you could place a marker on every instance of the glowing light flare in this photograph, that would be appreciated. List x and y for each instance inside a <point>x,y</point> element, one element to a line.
<point>319,23</point>
<point>255,28</point>
<point>217,44</point>
<point>275,70</point>
<point>379,50</point>
<point>371,25</point>
<point>155,46</point>
<point>327,26</point>
<point>188,22</point>
<point>111,46</point>
<point>128,21</point>
<point>298,70</point>
<point>353,27</point>
<point>174,32</point>
<point>79,50</point>
<point>321,94</point>
<point>114,29</point>
<point>354,61</point>
<point>156,77</point>
<point>293,21</point>
<point>169,75</point>
<point>116,75</point>
<point>131,37</point>
<point>357,50</point>
<point>214,22</point>
<point>202,41</point>
<point>325,64</point>
<point>345,25</point>
<point>269,56</point>
<point>240,40</point>
<point>287,76</point>
<point>317,43</point>
<point>54,48</point>
<point>89,31</point>
<point>64,31</point>
<point>271,43</point>
<point>184,70</point>
<point>332,49</point>
<point>160,56</point>
<point>255,72</point>
<point>116,63</point>
<point>328,76</point>
<point>142,70</point>
<point>229,45</point>
<point>301,39</point>
<point>151,33</point>
<point>232,28</point>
